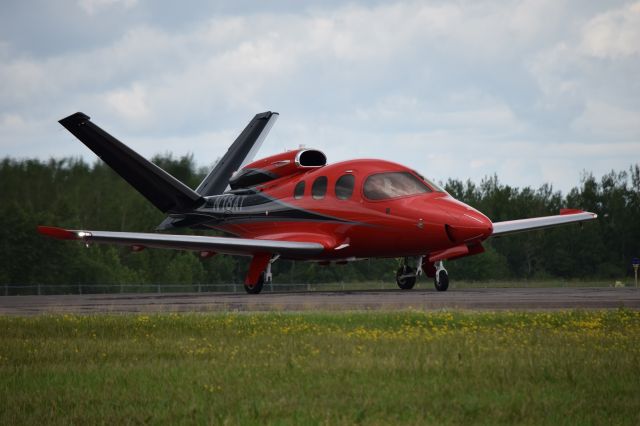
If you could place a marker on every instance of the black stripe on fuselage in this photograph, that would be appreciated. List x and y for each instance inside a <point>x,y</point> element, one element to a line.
<point>235,208</point>
<point>250,177</point>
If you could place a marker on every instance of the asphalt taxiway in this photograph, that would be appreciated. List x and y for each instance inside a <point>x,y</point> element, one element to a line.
<point>470,299</point>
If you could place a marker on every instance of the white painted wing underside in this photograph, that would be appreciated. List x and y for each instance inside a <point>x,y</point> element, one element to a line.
<point>521,225</point>
<point>237,246</point>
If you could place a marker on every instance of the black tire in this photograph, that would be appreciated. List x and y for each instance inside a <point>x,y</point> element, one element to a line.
<point>406,282</point>
<point>443,285</point>
<point>257,287</point>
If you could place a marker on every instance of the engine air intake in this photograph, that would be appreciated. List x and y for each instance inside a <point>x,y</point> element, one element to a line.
<point>286,164</point>
<point>311,158</point>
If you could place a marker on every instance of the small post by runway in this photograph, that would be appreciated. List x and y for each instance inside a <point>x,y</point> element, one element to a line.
<point>635,263</point>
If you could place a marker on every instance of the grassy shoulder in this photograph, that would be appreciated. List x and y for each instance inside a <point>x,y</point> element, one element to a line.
<point>322,368</point>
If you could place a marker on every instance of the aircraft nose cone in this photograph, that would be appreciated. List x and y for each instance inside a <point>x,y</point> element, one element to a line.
<point>469,226</point>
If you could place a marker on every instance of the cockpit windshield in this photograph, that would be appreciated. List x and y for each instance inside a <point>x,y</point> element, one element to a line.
<point>383,186</point>
<point>434,186</point>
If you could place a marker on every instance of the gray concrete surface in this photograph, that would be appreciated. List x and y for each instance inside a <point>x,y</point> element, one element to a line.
<point>473,299</point>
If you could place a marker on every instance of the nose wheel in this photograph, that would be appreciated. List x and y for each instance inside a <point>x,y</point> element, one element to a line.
<point>441,279</point>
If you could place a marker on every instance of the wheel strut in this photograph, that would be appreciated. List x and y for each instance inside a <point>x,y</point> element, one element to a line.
<point>259,272</point>
<point>268,277</point>
<point>406,276</point>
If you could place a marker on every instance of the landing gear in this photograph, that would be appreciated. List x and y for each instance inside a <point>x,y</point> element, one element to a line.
<point>406,277</point>
<point>257,287</point>
<point>441,280</point>
<point>264,277</point>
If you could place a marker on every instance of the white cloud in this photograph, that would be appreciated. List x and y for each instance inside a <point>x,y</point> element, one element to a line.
<point>533,20</point>
<point>12,121</point>
<point>613,34</point>
<point>609,121</point>
<point>93,7</point>
<point>454,89</point>
<point>586,80</point>
<point>463,111</point>
<point>131,103</point>
<point>23,80</point>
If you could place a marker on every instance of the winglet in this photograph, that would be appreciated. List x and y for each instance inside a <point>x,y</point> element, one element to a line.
<point>57,233</point>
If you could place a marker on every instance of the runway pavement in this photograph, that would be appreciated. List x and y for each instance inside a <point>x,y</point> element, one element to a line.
<point>472,299</point>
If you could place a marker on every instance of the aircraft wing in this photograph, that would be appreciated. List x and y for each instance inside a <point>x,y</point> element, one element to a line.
<point>236,246</point>
<point>566,216</point>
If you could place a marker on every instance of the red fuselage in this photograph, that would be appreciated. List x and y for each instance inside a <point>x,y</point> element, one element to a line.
<point>358,226</point>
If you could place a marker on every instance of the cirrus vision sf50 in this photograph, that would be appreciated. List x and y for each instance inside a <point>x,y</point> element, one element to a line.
<point>296,206</point>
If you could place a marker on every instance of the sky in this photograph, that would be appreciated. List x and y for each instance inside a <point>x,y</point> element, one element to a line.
<point>533,91</point>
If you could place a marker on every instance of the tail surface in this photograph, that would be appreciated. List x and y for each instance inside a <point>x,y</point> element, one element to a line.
<point>164,191</point>
<point>240,153</point>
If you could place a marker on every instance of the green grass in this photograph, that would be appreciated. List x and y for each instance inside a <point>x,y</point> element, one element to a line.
<point>572,367</point>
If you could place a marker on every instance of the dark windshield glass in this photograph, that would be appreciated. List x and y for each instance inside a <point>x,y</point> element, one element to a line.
<point>392,185</point>
<point>344,187</point>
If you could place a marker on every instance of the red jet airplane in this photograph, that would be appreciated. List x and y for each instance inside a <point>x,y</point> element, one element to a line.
<point>296,206</point>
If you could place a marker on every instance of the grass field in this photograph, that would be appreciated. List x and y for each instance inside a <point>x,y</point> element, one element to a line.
<point>572,367</point>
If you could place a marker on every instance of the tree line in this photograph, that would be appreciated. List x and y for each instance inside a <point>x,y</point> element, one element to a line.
<point>71,193</point>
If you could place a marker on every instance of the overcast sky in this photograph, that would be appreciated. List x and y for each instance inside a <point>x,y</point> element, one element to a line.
<point>535,91</point>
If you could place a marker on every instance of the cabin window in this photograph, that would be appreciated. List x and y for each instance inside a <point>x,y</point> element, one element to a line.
<point>298,191</point>
<point>344,187</point>
<point>319,188</point>
<point>383,186</point>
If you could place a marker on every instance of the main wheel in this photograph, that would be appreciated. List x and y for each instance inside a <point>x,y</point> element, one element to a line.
<point>406,277</point>
<point>257,287</point>
<point>443,283</point>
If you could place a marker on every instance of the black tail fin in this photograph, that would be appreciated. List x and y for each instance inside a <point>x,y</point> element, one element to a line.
<point>240,153</point>
<point>165,192</point>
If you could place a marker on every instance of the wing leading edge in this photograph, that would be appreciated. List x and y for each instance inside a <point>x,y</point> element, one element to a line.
<point>522,225</point>
<point>236,246</point>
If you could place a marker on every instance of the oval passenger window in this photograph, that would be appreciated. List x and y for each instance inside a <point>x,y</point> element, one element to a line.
<point>319,188</point>
<point>344,187</point>
<point>298,192</point>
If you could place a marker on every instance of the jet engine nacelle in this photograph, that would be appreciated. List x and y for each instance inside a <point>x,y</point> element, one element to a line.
<point>277,166</point>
